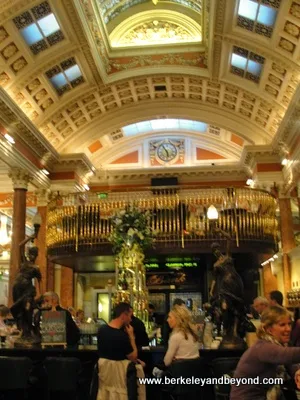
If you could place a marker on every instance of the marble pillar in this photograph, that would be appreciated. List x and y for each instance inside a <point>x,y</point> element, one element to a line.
<point>20,179</point>
<point>287,240</point>
<point>42,201</point>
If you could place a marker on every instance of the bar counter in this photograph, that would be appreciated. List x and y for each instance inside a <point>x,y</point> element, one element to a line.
<point>88,356</point>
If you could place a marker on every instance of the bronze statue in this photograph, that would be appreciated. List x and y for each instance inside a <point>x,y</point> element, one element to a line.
<point>227,294</point>
<point>24,294</point>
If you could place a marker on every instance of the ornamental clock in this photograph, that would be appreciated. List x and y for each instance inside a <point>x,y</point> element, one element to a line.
<point>166,151</point>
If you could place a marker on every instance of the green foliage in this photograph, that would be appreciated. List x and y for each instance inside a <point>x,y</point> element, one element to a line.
<point>131,226</point>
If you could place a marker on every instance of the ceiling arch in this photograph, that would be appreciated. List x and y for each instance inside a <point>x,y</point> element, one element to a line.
<point>156,27</point>
<point>210,114</point>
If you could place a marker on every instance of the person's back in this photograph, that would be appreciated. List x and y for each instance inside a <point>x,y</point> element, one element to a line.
<point>113,343</point>
<point>141,337</point>
<point>116,340</point>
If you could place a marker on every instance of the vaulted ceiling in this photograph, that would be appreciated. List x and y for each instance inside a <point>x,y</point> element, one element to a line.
<point>99,85</point>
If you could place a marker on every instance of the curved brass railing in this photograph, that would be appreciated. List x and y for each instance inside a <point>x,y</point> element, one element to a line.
<point>178,215</point>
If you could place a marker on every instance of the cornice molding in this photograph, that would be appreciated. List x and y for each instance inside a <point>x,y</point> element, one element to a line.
<point>27,133</point>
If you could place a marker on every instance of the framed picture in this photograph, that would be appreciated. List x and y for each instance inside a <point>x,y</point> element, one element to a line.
<point>159,302</point>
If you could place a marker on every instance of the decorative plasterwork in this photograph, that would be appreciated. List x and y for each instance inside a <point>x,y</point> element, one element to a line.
<point>62,127</point>
<point>155,28</point>
<point>20,178</point>
<point>74,162</point>
<point>229,173</point>
<point>17,123</point>
<point>110,9</point>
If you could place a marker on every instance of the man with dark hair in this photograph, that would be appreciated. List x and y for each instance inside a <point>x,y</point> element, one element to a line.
<point>276,298</point>
<point>116,341</point>
<point>139,329</point>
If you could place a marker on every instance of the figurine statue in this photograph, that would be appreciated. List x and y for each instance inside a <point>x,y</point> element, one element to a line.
<point>228,295</point>
<point>24,294</point>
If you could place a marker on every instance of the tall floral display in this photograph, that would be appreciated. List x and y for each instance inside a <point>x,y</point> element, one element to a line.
<point>132,234</point>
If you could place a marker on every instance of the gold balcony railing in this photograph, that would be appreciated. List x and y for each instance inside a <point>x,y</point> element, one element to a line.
<point>82,220</point>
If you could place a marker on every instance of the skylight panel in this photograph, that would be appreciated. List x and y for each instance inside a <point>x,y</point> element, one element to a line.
<point>48,25</point>
<point>254,67</point>
<point>199,126</point>
<point>65,75</point>
<point>59,80</point>
<point>31,34</point>
<point>258,16</point>
<point>266,15</point>
<point>238,61</point>
<point>144,126</point>
<point>164,124</point>
<point>158,124</point>
<point>171,123</point>
<point>73,73</point>
<point>248,9</point>
<point>39,27</point>
<point>246,64</point>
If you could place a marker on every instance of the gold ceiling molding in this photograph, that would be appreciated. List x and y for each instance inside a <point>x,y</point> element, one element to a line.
<point>91,108</point>
<point>110,9</point>
<point>156,27</point>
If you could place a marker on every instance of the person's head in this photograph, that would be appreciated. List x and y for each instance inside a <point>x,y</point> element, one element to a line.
<point>178,302</point>
<point>51,299</point>
<point>4,311</point>
<point>276,322</point>
<point>260,304</point>
<point>276,298</point>
<point>151,309</point>
<point>180,318</point>
<point>123,312</point>
<point>80,315</point>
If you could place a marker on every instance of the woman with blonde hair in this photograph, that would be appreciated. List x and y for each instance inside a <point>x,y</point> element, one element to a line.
<point>267,359</point>
<point>183,342</point>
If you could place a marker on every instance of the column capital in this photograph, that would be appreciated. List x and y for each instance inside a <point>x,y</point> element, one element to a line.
<point>42,197</point>
<point>20,178</point>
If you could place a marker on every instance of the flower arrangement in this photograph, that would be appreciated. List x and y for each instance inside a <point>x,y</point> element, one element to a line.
<point>131,228</point>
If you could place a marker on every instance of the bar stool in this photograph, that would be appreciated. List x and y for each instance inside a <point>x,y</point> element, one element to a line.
<point>220,367</point>
<point>14,373</point>
<point>62,376</point>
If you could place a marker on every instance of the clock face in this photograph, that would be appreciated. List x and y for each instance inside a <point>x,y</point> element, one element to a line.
<point>166,152</point>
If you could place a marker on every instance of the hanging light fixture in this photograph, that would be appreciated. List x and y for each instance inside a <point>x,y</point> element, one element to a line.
<point>212,213</point>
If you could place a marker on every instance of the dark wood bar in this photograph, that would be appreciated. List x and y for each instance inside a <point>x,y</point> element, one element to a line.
<point>88,358</point>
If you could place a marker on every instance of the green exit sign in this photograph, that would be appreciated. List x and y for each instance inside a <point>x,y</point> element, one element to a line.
<point>102,195</point>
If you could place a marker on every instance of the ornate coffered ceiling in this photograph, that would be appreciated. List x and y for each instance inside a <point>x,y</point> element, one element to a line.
<point>115,63</point>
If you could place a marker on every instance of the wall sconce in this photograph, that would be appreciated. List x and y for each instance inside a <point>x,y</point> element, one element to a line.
<point>284,161</point>
<point>249,182</point>
<point>37,222</point>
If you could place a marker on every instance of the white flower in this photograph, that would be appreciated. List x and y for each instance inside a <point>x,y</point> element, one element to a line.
<point>131,232</point>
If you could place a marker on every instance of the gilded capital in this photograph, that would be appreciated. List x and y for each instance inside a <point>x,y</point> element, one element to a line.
<point>20,178</point>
